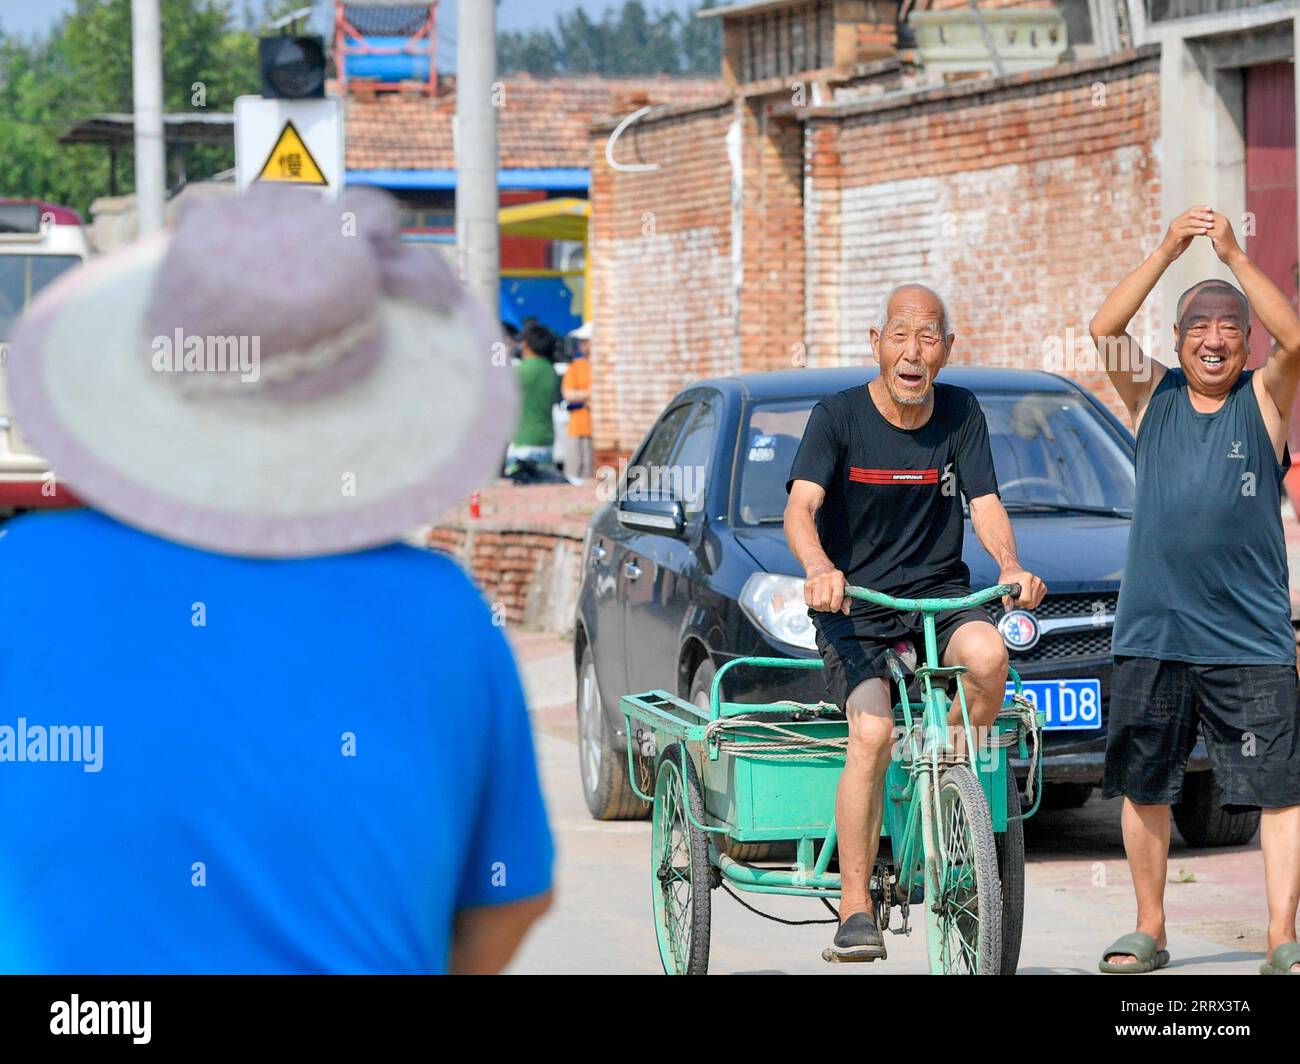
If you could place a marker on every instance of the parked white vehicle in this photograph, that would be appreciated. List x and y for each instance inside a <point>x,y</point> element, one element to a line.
<point>38,242</point>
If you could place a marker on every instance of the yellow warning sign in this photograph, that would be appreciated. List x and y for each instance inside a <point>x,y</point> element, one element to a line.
<point>291,161</point>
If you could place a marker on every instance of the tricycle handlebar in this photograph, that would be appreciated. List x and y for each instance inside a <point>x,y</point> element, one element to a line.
<point>934,605</point>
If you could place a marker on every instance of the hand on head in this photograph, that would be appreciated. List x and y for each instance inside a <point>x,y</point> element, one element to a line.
<point>1201,221</point>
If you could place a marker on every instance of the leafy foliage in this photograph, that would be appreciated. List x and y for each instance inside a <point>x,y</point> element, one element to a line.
<point>626,40</point>
<point>83,67</point>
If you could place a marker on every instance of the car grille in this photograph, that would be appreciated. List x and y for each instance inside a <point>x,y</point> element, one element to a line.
<point>1058,647</point>
<point>1085,605</point>
<point>1092,642</point>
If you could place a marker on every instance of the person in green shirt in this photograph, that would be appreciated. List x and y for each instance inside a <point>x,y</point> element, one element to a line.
<point>534,435</point>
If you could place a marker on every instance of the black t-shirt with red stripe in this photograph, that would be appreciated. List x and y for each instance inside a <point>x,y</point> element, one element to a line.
<point>892,518</point>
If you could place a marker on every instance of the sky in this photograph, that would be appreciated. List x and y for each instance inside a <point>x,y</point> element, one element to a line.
<point>36,16</point>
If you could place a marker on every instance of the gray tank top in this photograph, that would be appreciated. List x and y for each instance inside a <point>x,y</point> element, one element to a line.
<point>1206,575</point>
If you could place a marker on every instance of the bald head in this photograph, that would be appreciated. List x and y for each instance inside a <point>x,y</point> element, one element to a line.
<point>915,295</point>
<point>1212,336</point>
<point>1218,287</point>
<point>912,344</point>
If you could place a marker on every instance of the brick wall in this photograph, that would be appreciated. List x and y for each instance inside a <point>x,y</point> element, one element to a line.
<point>1023,203</point>
<point>772,297</point>
<point>524,552</point>
<point>1022,199</point>
<point>663,291</point>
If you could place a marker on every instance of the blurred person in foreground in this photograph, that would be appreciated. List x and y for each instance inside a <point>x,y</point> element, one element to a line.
<point>577,394</point>
<point>534,436</point>
<point>1203,632</point>
<point>256,733</point>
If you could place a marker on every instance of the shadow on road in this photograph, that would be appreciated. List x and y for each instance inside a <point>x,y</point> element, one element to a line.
<point>1092,832</point>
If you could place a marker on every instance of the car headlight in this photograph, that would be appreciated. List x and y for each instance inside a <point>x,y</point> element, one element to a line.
<point>775,603</point>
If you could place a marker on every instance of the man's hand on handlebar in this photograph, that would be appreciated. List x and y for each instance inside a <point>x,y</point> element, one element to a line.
<point>823,590</point>
<point>1032,590</point>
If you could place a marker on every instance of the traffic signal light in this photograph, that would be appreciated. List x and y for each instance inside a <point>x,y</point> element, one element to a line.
<point>293,68</point>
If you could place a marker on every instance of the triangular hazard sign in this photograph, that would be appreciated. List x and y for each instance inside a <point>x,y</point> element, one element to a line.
<point>290,161</point>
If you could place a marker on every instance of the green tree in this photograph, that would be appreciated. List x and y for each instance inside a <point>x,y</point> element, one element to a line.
<point>626,40</point>
<point>83,67</point>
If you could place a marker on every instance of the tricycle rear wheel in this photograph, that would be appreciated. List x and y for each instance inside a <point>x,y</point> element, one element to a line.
<point>681,874</point>
<point>1011,873</point>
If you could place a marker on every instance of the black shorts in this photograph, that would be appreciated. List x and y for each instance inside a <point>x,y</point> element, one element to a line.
<point>853,646</point>
<point>1249,717</point>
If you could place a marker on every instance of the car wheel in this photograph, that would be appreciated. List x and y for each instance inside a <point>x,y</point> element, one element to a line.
<point>602,757</point>
<point>1200,820</point>
<point>701,685</point>
<point>1065,795</point>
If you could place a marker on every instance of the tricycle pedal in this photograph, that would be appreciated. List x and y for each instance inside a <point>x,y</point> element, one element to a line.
<point>832,957</point>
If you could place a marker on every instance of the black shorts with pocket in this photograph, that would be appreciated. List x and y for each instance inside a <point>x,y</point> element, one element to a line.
<point>1249,717</point>
<point>853,646</point>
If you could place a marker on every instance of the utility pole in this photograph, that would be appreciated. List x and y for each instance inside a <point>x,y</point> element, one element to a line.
<point>478,236</point>
<point>150,148</point>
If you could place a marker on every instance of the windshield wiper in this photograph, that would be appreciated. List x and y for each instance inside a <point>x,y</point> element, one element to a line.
<point>1066,508</point>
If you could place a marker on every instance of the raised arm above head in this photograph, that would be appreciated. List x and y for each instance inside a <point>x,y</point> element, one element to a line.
<point>1133,373</point>
<point>1282,371</point>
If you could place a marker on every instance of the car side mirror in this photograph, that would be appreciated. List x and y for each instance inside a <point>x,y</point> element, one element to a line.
<point>654,515</point>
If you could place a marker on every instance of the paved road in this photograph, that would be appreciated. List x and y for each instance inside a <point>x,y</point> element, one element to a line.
<point>1078,895</point>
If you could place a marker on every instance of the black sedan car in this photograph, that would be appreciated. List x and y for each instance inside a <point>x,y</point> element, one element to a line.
<point>689,568</point>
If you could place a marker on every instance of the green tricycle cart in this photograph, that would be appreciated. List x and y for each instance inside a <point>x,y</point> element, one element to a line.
<point>739,773</point>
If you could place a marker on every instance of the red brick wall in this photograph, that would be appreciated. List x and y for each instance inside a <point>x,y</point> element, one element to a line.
<point>1023,204</point>
<point>1021,200</point>
<point>508,564</point>
<point>662,287</point>
<point>524,550</point>
<point>772,297</point>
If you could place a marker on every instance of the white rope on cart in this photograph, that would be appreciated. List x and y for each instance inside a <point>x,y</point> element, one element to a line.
<point>771,741</point>
<point>1027,712</point>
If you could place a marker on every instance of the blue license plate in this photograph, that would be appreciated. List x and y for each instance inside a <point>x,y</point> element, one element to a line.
<point>1070,705</point>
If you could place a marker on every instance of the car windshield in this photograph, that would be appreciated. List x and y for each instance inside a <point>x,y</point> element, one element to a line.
<point>21,278</point>
<point>1053,453</point>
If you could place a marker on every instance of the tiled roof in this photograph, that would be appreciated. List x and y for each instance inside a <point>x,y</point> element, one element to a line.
<point>542,123</point>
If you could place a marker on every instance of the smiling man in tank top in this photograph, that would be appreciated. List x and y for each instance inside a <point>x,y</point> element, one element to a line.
<point>1203,629</point>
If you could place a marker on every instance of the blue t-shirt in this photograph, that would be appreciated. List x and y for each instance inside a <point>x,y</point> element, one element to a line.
<point>241,765</point>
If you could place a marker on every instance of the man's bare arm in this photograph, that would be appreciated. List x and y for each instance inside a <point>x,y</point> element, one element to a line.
<point>1282,372</point>
<point>824,584</point>
<point>993,527</point>
<point>1131,371</point>
<point>485,938</point>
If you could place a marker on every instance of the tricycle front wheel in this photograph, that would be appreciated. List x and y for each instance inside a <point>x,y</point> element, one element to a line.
<point>965,918</point>
<point>680,873</point>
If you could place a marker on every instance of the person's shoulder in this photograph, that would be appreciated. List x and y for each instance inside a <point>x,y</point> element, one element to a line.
<point>403,561</point>
<point>37,532</point>
<point>1172,380</point>
<point>407,578</point>
<point>960,402</point>
<point>838,404</point>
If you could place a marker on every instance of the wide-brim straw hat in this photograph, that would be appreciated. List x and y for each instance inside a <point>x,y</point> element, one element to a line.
<point>280,377</point>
